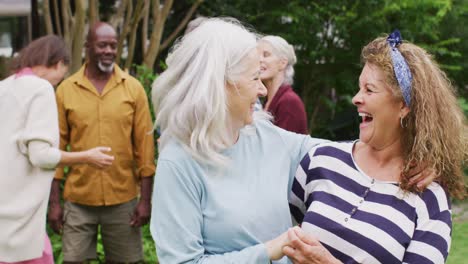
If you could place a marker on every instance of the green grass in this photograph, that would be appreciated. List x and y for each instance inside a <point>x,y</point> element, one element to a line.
<point>459,250</point>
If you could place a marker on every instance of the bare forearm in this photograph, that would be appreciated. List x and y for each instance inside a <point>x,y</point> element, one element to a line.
<point>55,192</point>
<point>73,158</point>
<point>94,156</point>
<point>146,188</point>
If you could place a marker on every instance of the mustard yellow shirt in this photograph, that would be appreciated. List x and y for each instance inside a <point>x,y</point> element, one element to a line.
<point>118,118</point>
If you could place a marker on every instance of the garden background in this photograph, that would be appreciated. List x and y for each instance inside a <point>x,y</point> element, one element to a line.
<point>327,35</point>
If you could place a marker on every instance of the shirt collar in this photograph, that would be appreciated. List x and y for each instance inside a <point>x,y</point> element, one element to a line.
<point>80,78</point>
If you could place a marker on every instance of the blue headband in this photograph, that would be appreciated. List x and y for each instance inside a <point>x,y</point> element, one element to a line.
<point>400,67</point>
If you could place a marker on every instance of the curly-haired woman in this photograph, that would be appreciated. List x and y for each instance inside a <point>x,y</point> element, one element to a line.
<point>356,198</point>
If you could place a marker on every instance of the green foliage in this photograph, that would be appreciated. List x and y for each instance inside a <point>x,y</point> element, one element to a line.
<point>146,77</point>
<point>459,248</point>
<point>328,37</point>
<point>464,105</point>
<point>149,248</point>
<point>452,26</point>
<point>4,63</point>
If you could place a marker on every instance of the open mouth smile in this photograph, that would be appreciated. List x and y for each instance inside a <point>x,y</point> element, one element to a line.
<point>366,118</point>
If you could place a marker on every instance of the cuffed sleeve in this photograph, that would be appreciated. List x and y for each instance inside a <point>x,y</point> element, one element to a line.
<point>63,127</point>
<point>41,129</point>
<point>43,155</point>
<point>142,134</point>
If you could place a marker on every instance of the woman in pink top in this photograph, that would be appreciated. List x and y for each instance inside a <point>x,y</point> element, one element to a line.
<point>29,139</point>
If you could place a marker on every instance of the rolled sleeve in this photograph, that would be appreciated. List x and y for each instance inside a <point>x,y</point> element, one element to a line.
<point>142,134</point>
<point>43,155</point>
<point>63,127</point>
<point>41,130</point>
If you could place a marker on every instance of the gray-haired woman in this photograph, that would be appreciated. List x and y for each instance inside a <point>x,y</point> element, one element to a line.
<point>277,72</point>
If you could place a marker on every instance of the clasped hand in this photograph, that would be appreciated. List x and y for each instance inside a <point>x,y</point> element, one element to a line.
<point>300,247</point>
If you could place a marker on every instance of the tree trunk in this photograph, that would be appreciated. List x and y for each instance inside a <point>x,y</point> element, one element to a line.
<point>159,18</point>
<point>144,27</point>
<point>47,17</point>
<point>124,32</point>
<point>137,15</point>
<point>35,21</point>
<point>181,25</point>
<point>93,12</point>
<point>66,23</point>
<point>57,23</point>
<point>78,40</point>
<point>117,18</point>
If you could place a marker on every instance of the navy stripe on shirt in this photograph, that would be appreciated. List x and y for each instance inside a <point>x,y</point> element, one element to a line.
<point>325,184</point>
<point>364,243</point>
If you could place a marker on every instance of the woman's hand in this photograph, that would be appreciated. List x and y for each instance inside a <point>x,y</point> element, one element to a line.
<point>275,246</point>
<point>422,178</point>
<point>98,158</point>
<point>305,249</point>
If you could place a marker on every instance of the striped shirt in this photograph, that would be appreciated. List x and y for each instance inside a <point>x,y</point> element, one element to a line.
<point>363,220</point>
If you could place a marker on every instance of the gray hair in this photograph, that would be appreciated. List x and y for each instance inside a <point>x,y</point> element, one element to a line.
<point>189,97</point>
<point>284,50</point>
<point>194,23</point>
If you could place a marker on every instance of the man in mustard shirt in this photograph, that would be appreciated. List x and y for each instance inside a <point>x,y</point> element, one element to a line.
<point>101,105</point>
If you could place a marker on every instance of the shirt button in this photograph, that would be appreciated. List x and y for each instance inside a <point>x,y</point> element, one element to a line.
<point>361,201</point>
<point>366,192</point>
<point>346,219</point>
<point>353,211</point>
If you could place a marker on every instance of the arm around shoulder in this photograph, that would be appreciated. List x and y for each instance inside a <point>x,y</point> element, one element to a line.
<point>432,235</point>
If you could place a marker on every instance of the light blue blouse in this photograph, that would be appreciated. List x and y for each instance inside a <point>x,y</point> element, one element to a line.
<point>202,215</point>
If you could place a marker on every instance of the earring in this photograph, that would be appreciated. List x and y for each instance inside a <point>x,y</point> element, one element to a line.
<point>401,122</point>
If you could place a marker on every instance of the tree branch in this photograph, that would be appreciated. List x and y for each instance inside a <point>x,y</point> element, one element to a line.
<point>144,27</point>
<point>66,23</point>
<point>118,16</point>
<point>166,8</point>
<point>181,25</point>
<point>78,40</point>
<point>47,17</point>
<point>137,15</point>
<point>93,12</point>
<point>159,19</point>
<point>124,32</point>
<point>57,18</point>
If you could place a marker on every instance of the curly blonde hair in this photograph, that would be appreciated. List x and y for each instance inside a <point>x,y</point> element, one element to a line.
<point>435,130</point>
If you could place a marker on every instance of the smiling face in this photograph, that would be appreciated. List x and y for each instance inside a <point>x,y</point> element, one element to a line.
<point>243,94</point>
<point>102,48</point>
<point>379,108</point>
<point>270,64</point>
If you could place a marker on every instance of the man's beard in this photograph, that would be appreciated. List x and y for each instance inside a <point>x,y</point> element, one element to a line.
<point>106,69</point>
